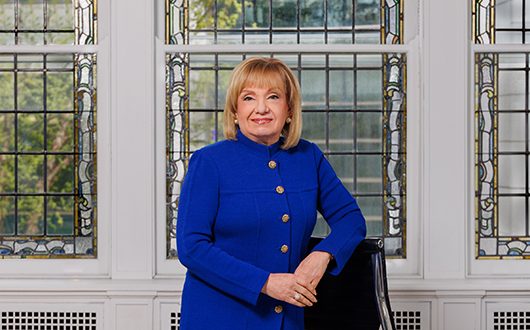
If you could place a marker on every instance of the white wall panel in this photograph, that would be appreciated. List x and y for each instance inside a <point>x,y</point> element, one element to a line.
<point>445,108</point>
<point>133,132</point>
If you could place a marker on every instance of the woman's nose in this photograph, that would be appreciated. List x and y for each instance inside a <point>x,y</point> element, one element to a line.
<point>261,107</point>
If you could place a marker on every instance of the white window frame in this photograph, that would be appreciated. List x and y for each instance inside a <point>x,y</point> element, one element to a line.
<point>411,267</point>
<point>81,268</point>
<point>503,268</point>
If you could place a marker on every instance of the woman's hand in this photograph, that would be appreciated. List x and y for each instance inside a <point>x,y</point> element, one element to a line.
<point>312,268</point>
<point>289,288</point>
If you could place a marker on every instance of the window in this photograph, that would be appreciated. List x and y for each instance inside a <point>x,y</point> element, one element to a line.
<point>502,129</point>
<point>47,131</point>
<point>354,103</point>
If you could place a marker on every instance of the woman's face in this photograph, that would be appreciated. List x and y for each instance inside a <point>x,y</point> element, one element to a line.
<point>261,113</point>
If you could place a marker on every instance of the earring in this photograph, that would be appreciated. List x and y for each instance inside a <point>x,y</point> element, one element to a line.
<point>235,121</point>
<point>288,120</point>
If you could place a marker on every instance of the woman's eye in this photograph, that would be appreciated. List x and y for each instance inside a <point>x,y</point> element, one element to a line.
<point>247,98</point>
<point>274,97</point>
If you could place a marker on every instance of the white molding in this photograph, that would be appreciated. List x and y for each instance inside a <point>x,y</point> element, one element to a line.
<point>133,139</point>
<point>51,48</point>
<point>445,104</point>
<point>287,48</point>
<point>500,48</point>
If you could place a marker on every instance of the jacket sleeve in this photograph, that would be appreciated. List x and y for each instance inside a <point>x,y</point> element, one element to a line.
<point>197,210</point>
<point>340,210</point>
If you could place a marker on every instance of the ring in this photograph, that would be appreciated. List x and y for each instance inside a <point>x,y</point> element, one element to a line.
<point>297,296</point>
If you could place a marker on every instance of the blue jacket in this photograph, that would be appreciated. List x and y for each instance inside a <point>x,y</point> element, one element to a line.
<point>242,217</point>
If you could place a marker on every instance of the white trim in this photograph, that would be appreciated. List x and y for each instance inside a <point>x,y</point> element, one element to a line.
<point>500,48</point>
<point>287,48</point>
<point>51,48</point>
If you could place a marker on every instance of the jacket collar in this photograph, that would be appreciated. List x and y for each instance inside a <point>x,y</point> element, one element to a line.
<point>259,148</point>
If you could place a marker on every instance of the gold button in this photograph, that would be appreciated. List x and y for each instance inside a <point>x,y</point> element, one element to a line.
<point>285,217</point>
<point>280,190</point>
<point>284,248</point>
<point>272,164</point>
<point>278,309</point>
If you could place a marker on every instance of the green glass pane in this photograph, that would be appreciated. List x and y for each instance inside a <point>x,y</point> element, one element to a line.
<point>7,215</point>
<point>30,173</point>
<point>257,13</point>
<point>60,215</point>
<point>202,89</point>
<point>202,129</point>
<point>367,12</point>
<point>30,132</point>
<point>341,133</point>
<point>344,167</point>
<point>61,62</point>
<point>7,168</point>
<point>313,85</point>
<point>31,14</point>
<point>31,215</point>
<point>311,13</point>
<point>30,61</point>
<point>60,132</point>
<point>60,14</point>
<point>7,39</point>
<point>339,13</point>
<point>369,174</point>
<point>284,13</point>
<point>369,89</point>
<point>7,132</point>
<point>7,15</point>
<point>369,131</point>
<point>60,173</point>
<point>224,79</point>
<point>60,91</point>
<point>60,38</point>
<point>314,128</point>
<point>31,38</point>
<point>30,91</point>
<point>7,95</point>
<point>341,87</point>
<point>373,213</point>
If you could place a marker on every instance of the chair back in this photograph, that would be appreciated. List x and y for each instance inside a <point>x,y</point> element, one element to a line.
<point>358,297</point>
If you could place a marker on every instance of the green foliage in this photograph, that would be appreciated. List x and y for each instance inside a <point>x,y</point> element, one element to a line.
<point>202,13</point>
<point>31,138</point>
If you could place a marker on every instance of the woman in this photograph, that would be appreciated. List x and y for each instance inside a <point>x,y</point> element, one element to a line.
<point>248,206</point>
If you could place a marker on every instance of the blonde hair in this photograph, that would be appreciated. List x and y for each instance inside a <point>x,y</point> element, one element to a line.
<point>265,72</point>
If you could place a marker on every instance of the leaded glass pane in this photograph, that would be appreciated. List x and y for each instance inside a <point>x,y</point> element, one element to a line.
<point>47,155</point>
<point>502,155</point>
<point>283,22</point>
<point>501,22</point>
<point>361,129</point>
<point>47,22</point>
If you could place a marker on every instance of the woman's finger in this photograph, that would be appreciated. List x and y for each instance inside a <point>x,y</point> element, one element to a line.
<point>307,285</point>
<point>307,294</point>
<point>299,300</point>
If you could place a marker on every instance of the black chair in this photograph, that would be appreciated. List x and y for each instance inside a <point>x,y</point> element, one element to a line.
<point>358,297</point>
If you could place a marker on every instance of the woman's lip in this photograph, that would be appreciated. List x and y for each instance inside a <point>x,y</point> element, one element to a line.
<point>262,120</point>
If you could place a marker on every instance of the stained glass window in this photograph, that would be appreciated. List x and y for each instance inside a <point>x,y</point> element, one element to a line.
<point>47,131</point>
<point>207,22</point>
<point>501,132</point>
<point>47,22</point>
<point>353,104</point>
